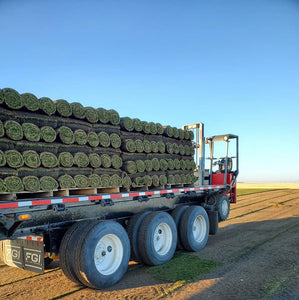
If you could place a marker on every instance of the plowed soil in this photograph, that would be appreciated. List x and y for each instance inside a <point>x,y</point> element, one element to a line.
<point>258,246</point>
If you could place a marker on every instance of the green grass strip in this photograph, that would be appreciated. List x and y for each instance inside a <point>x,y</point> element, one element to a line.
<point>130,167</point>
<point>113,117</point>
<point>81,181</point>
<point>115,140</point>
<point>146,127</point>
<point>126,181</point>
<point>80,137</point>
<point>12,98</point>
<point>115,181</point>
<point>139,146</point>
<point>94,180</point>
<point>31,159</point>
<point>2,186</point>
<point>63,108</point>
<point>241,192</point>
<point>154,147</point>
<point>176,133</point>
<point>156,164</point>
<point>130,146</point>
<point>95,160</point>
<point>48,134</point>
<point>140,165</point>
<point>147,146</point>
<point>66,135</point>
<point>137,125</point>
<point>47,106</point>
<point>66,182</point>
<point>14,159</point>
<point>116,161</point>
<point>66,159</point>
<point>163,164</point>
<point>13,184</point>
<point>103,115</point>
<point>106,160</point>
<point>30,101</point>
<point>81,160</point>
<point>31,183</point>
<point>161,147</point>
<point>13,130</point>
<point>1,129</point>
<point>93,139</point>
<point>105,180</point>
<point>148,165</point>
<point>127,124</point>
<point>183,267</point>
<point>104,139</point>
<point>91,115</point>
<point>78,110</point>
<point>162,179</point>
<point>155,180</point>
<point>48,183</point>
<point>2,159</point>
<point>48,160</point>
<point>31,132</point>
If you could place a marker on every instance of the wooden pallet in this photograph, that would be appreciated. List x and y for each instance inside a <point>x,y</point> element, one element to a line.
<point>25,195</point>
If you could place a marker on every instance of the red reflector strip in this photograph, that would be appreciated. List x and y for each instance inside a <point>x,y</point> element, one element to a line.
<point>91,198</point>
<point>116,196</point>
<point>41,202</point>
<point>9,205</point>
<point>69,200</point>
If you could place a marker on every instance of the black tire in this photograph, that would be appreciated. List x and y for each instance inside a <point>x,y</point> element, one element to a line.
<point>132,229</point>
<point>102,254</point>
<point>176,215</point>
<point>157,238</point>
<point>194,228</point>
<point>222,205</point>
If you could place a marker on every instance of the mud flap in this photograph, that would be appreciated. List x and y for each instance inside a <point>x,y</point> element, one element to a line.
<point>24,254</point>
<point>213,219</point>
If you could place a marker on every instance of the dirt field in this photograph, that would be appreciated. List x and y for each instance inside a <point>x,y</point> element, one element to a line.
<point>258,246</point>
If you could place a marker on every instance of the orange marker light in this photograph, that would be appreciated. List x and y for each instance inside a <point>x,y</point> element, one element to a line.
<point>24,217</point>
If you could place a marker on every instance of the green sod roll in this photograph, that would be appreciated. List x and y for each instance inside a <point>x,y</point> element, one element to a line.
<point>193,165</point>
<point>47,106</point>
<point>148,165</point>
<point>137,125</point>
<point>182,164</point>
<point>147,146</point>
<point>93,139</point>
<point>161,147</point>
<point>105,180</point>
<point>139,181</point>
<point>81,181</point>
<point>12,98</point>
<point>168,131</point>
<point>48,134</point>
<point>156,164</point>
<point>31,132</point>
<point>155,180</point>
<point>66,135</point>
<point>183,178</point>
<point>2,186</point>
<point>177,179</point>
<point>130,146</point>
<point>80,137</point>
<point>176,149</point>
<point>115,180</point>
<point>186,135</point>
<point>91,115</point>
<point>170,164</point>
<point>193,178</point>
<point>48,160</point>
<point>31,184</point>
<point>130,167</point>
<point>2,159</point>
<point>176,133</point>
<point>188,179</point>
<point>170,179</point>
<point>162,179</point>
<point>160,129</point>
<point>81,160</point>
<point>106,160</point>
<point>146,127</point>
<point>181,134</point>
<point>148,180</point>
<point>1,129</point>
<point>30,101</point>
<point>1,96</point>
<point>126,181</point>
<point>163,165</point>
<point>177,164</point>
<point>103,115</point>
<point>78,110</point>
<point>191,135</point>
<point>66,159</point>
<point>154,147</point>
<point>95,160</point>
<point>115,140</point>
<point>127,124</point>
<point>13,184</point>
<point>116,161</point>
<point>63,108</point>
<point>31,159</point>
<point>140,165</point>
<point>66,182</point>
<point>13,130</point>
<point>94,180</point>
<point>104,139</point>
<point>169,148</point>
<point>187,150</point>
<point>113,117</point>
<point>192,150</point>
<point>14,159</point>
<point>188,164</point>
<point>182,149</point>
<point>153,128</point>
<point>139,146</point>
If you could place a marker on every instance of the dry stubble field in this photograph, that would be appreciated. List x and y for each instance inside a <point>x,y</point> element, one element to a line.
<point>258,246</point>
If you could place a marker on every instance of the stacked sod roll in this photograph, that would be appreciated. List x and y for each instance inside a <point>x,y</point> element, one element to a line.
<point>47,145</point>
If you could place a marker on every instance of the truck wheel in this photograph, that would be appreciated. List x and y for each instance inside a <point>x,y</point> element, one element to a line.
<point>157,238</point>
<point>102,254</point>
<point>223,207</point>
<point>132,229</point>
<point>194,228</point>
<point>176,215</point>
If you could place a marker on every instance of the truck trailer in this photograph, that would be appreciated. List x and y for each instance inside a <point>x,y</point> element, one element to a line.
<point>94,236</point>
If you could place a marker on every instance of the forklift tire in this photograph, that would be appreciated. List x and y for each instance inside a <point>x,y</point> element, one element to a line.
<point>157,238</point>
<point>177,215</point>
<point>223,207</point>
<point>194,228</point>
<point>102,254</point>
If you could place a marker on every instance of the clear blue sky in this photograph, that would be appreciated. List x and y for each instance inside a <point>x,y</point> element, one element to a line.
<point>233,65</point>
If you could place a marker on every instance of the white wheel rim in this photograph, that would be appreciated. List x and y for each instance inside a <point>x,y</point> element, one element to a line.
<point>199,229</point>
<point>108,254</point>
<point>162,239</point>
<point>224,207</point>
